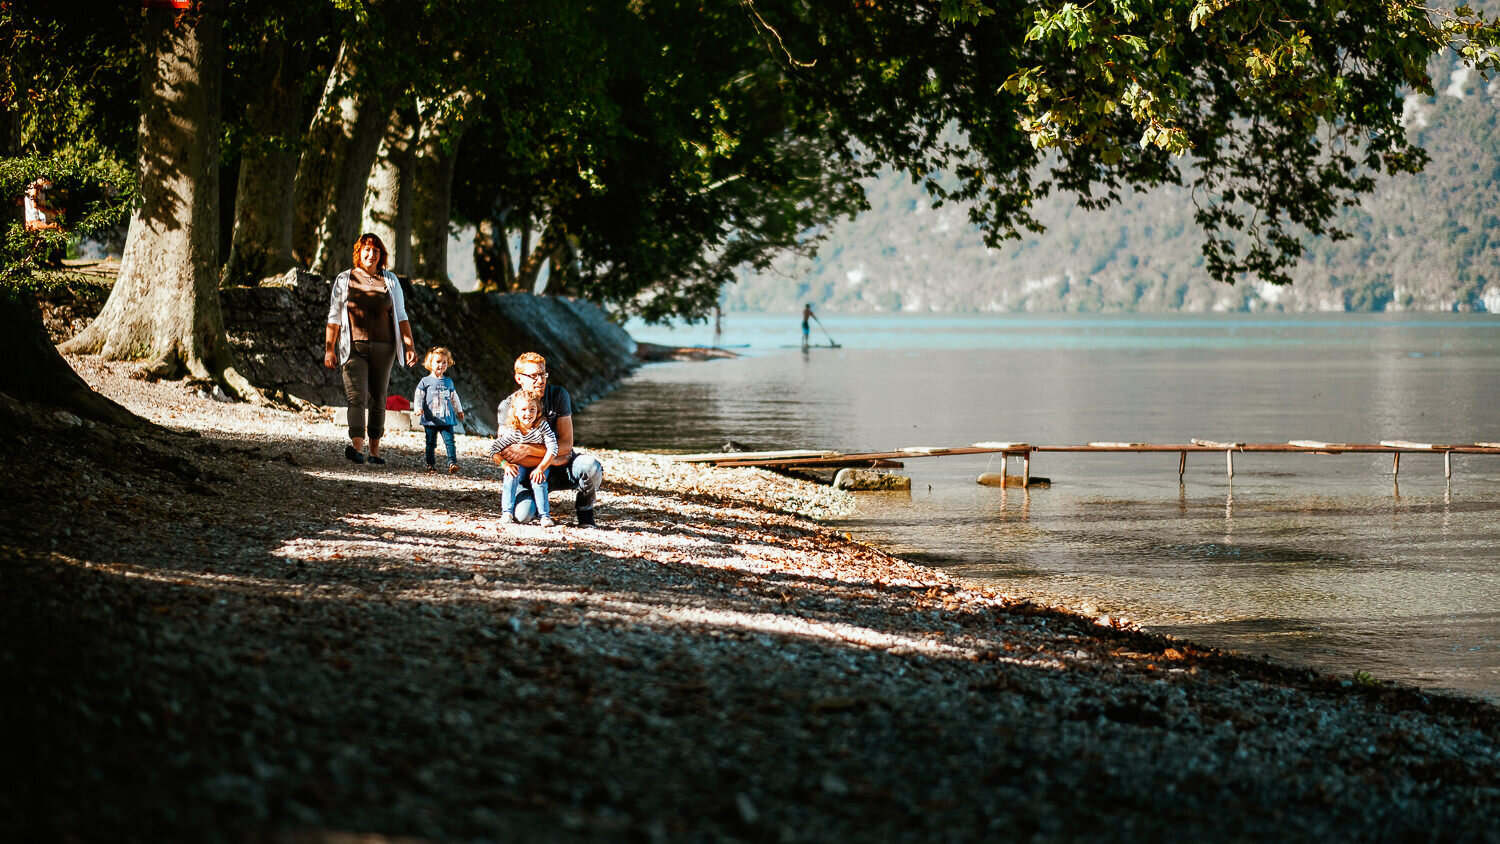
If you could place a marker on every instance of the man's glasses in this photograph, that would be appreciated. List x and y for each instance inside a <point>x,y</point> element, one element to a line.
<point>534,376</point>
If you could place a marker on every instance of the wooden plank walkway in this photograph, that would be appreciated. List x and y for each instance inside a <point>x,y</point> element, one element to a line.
<point>811,458</point>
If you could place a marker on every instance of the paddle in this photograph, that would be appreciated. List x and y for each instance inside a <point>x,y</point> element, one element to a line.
<point>831,344</point>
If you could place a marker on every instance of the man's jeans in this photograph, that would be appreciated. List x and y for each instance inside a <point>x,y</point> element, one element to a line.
<point>582,472</point>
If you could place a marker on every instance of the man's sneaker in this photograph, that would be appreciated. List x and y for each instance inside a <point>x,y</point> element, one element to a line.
<point>350,453</point>
<point>452,468</point>
<point>507,519</point>
<point>586,518</point>
<point>431,469</point>
<point>545,522</point>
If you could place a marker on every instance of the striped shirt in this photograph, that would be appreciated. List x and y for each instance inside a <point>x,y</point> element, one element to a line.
<point>540,435</point>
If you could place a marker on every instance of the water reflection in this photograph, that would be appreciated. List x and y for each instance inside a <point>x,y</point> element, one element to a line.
<point>1329,560</point>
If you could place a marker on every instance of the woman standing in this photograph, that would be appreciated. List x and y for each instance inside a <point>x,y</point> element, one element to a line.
<point>366,322</point>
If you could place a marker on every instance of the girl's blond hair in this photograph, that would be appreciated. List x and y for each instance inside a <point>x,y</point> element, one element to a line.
<point>437,352</point>
<point>513,421</point>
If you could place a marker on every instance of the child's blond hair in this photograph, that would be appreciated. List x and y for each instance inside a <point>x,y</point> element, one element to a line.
<point>437,352</point>
<point>516,401</point>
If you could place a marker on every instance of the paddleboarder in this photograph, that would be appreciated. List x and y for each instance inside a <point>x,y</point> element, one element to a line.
<point>807,318</point>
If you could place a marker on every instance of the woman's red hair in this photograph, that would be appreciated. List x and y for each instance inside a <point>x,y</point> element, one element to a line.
<point>368,237</point>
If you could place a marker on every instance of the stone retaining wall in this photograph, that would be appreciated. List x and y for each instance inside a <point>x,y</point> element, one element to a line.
<point>277,332</point>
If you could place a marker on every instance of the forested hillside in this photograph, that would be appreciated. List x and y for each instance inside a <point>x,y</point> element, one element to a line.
<point>1429,242</point>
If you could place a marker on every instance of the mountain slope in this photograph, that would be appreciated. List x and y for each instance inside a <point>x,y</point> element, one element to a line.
<point>1429,242</point>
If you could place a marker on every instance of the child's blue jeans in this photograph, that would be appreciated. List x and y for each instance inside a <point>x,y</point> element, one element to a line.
<point>432,432</point>
<point>513,485</point>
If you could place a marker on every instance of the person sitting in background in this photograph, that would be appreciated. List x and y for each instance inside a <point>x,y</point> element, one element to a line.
<point>40,214</point>
<point>571,469</point>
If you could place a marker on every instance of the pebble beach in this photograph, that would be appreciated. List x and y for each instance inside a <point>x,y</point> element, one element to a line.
<point>221,630</point>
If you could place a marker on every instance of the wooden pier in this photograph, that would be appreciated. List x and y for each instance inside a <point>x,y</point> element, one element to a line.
<point>828,459</point>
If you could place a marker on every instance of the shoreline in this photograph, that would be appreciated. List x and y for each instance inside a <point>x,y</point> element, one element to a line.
<point>238,634</point>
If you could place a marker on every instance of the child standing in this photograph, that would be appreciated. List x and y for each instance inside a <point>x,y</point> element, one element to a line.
<point>524,424</point>
<point>438,403</point>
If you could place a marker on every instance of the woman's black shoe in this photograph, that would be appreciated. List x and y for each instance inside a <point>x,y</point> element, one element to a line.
<point>350,453</point>
<point>378,461</point>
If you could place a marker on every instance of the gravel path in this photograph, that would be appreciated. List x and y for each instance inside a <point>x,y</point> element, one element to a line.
<point>235,634</point>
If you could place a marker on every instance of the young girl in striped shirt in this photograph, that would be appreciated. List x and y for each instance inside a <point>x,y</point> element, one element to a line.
<point>524,424</point>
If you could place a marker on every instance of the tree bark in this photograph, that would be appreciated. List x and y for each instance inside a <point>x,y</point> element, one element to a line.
<point>165,304</point>
<point>492,261</point>
<point>335,167</point>
<point>562,277</point>
<point>531,263</point>
<point>388,196</point>
<point>10,147</point>
<point>432,206</point>
<point>262,243</point>
<point>35,373</point>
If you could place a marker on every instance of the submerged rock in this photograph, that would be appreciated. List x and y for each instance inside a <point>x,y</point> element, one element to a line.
<point>868,480</point>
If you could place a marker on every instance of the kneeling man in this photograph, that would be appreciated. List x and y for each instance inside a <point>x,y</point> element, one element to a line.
<point>569,469</point>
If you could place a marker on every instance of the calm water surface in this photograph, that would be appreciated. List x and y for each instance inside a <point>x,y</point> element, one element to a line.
<point>1315,559</point>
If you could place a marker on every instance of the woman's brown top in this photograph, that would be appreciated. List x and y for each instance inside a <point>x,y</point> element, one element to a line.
<point>370,309</point>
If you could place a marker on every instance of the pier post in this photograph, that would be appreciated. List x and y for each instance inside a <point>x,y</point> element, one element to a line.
<point>1229,459</point>
<point>1396,464</point>
<point>1181,465</point>
<point>1448,465</point>
<point>1025,470</point>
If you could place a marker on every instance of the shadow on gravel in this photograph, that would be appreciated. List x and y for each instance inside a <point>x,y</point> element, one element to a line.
<point>178,664</point>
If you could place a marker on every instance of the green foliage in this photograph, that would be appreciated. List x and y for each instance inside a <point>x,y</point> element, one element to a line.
<point>663,144</point>
<point>70,77</point>
<point>95,195</point>
<point>1423,241</point>
<point>1289,108</point>
<point>670,147</point>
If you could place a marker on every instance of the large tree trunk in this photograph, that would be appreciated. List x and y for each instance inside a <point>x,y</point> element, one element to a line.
<point>262,242</point>
<point>388,197</point>
<point>165,304</point>
<point>432,206</point>
<point>35,373</point>
<point>335,167</point>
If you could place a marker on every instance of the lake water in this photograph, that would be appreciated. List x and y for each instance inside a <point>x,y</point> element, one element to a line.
<point>1321,560</point>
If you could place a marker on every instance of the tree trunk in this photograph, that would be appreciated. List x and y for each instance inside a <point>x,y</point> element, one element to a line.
<point>432,205</point>
<point>262,242</point>
<point>531,263</point>
<point>492,264</point>
<point>388,196</point>
<point>562,277</point>
<point>35,373</point>
<point>10,147</point>
<point>165,304</point>
<point>335,167</point>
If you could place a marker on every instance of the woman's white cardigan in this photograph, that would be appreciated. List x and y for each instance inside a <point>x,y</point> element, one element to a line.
<point>338,312</point>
